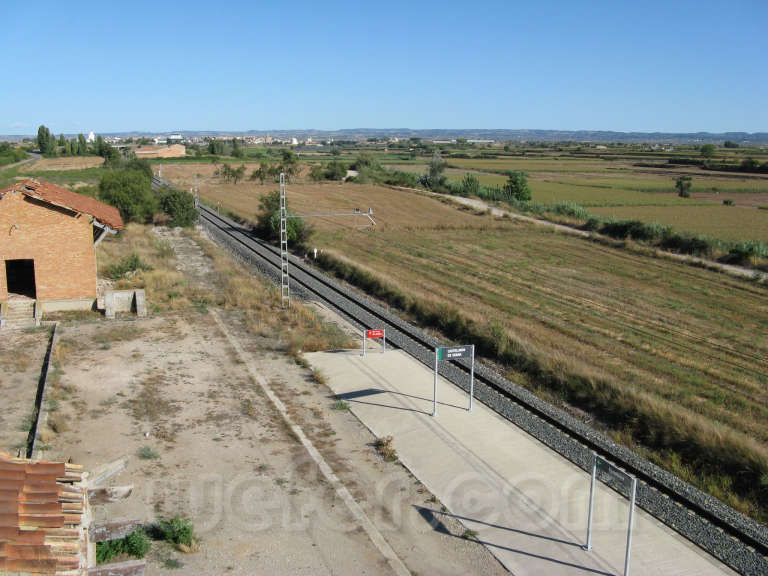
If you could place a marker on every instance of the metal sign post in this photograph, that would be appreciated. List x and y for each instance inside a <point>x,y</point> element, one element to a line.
<point>630,483</point>
<point>472,379</point>
<point>455,353</point>
<point>375,333</point>
<point>434,393</point>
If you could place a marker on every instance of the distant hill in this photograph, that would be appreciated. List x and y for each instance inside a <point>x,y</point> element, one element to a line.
<point>746,138</point>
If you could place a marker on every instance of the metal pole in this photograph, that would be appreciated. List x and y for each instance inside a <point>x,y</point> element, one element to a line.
<point>631,522</point>
<point>363,342</point>
<point>434,397</point>
<point>591,502</point>
<point>472,378</point>
<point>384,341</point>
<point>285,285</point>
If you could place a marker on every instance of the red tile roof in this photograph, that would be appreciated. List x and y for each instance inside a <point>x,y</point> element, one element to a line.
<point>52,194</point>
<point>41,512</point>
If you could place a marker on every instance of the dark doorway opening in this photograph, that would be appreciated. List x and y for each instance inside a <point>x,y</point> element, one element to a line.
<point>20,276</point>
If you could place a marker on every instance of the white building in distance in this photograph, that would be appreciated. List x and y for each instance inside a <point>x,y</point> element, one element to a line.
<point>91,137</point>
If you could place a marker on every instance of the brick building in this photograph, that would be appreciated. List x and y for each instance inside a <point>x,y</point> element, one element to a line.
<point>47,246</point>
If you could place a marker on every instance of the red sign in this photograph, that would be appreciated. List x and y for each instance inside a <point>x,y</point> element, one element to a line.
<point>375,333</point>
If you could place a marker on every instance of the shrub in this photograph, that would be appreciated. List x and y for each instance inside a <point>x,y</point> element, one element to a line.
<point>177,531</point>
<point>316,173</point>
<point>179,206</point>
<point>268,222</point>
<point>683,186</point>
<point>399,178</point>
<point>130,191</point>
<point>744,253</point>
<point>129,264</point>
<point>148,453</point>
<point>136,544</point>
<point>727,202</point>
<point>385,448</point>
<point>470,185</point>
<point>336,170</point>
<point>517,186</point>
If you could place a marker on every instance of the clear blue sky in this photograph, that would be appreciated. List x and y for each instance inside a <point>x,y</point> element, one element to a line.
<point>240,65</point>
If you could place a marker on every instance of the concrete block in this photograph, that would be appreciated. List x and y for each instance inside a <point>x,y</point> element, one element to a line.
<point>141,304</point>
<point>109,304</point>
<point>123,300</point>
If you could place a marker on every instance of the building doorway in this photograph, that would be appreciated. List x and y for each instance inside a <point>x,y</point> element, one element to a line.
<point>20,277</point>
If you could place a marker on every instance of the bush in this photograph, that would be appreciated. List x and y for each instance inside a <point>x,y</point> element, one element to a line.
<point>517,186</point>
<point>336,170</point>
<point>316,173</point>
<point>180,207</point>
<point>129,264</point>
<point>177,531</point>
<point>135,544</point>
<point>268,222</point>
<point>683,186</point>
<point>130,191</point>
<point>399,178</point>
<point>470,185</point>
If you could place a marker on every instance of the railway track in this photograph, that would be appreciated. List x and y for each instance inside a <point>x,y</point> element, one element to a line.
<point>728,535</point>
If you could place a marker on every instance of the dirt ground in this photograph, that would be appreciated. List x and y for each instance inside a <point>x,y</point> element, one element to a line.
<point>22,353</point>
<point>204,442</point>
<point>67,163</point>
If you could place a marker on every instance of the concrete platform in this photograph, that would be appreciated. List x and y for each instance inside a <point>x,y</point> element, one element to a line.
<point>527,504</point>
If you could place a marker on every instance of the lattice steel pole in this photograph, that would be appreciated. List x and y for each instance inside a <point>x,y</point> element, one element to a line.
<point>285,288</point>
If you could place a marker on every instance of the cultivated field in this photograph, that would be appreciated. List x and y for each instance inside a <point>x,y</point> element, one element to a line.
<point>668,343</point>
<point>65,163</point>
<point>632,190</point>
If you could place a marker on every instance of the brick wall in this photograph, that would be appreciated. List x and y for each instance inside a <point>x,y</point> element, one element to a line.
<point>60,244</point>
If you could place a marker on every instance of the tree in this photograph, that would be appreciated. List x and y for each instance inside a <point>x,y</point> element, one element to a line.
<point>238,173</point>
<point>707,150</point>
<point>268,222</point>
<point>316,172</point>
<point>215,147</point>
<point>730,144</point>
<point>140,164</point>
<point>365,160</point>
<point>130,191</point>
<point>82,145</point>
<point>237,152</point>
<point>62,140</point>
<point>262,173</point>
<point>683,186</point>
<point>436,169</point>
<point>289,164</point>
<point>180,207</point>
<point>517,186</point>
<point>46,142</point>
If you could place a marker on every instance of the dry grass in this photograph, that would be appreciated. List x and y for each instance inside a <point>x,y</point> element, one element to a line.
<point>56,164</point>
<point>168,289</point>
<point>384,446</point>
